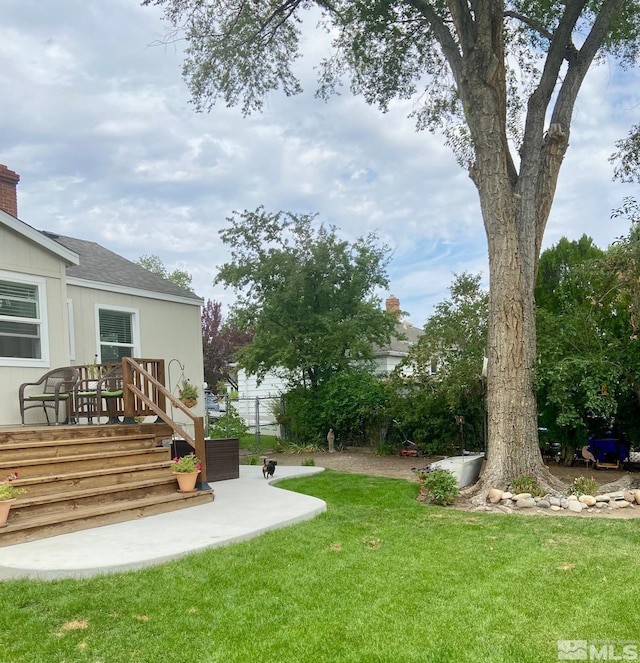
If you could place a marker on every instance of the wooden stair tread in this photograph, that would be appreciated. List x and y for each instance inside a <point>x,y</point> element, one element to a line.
<point>66,476</point>
<point>47,498</point>
<point>30,462</point>
<point>44,444</point>
<point>104,509</point>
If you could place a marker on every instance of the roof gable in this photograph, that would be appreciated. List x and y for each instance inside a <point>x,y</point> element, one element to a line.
<point>101,266</point>
<point>69,256</point>
<point>399,346</point>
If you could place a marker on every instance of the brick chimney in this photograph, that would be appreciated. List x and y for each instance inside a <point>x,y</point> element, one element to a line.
<point>393,305</point>
<point>8,195</point>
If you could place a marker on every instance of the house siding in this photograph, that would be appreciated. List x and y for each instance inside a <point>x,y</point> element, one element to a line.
<point>20,257</point>
<point>167,330</point>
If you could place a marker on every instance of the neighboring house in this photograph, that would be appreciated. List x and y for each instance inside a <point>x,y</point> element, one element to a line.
<point>64,300</point>
<point>389,356</point>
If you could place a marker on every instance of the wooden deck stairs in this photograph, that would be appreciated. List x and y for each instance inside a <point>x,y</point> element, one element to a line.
<point>79,477</point>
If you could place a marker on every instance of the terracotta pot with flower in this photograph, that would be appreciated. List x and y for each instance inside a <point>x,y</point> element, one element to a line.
<point>188,393</point>
<point>8,494</point>
<point>186,470</point>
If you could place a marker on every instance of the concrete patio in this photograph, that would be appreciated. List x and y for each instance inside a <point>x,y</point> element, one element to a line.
<point>243,508</point>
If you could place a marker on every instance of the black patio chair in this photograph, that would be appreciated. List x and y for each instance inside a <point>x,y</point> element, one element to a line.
<point>52,389</point>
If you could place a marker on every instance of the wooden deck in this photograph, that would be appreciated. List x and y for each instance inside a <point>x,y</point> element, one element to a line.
<point>78,477</point>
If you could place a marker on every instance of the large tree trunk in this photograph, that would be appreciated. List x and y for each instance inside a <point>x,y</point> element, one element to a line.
<point>513,448</point>
<point>515,207</point>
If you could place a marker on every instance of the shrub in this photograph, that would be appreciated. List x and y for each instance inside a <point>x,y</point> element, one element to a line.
<point>308,462</point>
<point>385,449</point>
<point>526,484</point>
<point>352,402</point>
<point>584,486</point>
<point>438,486</point>
<point>230,424</point>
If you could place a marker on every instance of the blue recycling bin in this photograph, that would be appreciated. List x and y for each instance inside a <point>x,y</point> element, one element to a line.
<point>609,452</point>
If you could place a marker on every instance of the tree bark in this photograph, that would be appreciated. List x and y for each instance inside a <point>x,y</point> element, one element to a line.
<point>511,350</point>
<point>513,210</point>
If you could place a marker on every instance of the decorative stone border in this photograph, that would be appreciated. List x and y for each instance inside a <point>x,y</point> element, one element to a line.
<point>620,499</point>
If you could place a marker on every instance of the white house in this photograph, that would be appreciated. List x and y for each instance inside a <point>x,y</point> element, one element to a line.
<point>64,300</point>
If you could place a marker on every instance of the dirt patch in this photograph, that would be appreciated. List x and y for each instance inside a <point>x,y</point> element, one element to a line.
<point>364,461</point>
<point>359,462</point>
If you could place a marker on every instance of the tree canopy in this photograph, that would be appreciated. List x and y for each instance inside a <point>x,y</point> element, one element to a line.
<point>627,157</point>
<point>588,346</point>
<point>447,363</point>
<point>220,342</point>
<point>501,79</point>
<point>155,265</point>
<point>454,342</point>
<point>308,296</point>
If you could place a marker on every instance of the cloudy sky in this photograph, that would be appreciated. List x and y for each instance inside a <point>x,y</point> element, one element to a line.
<point>96,120</point>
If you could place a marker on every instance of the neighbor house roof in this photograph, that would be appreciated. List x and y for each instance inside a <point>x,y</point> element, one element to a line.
<point>397,346</point>
<point>102,269</point>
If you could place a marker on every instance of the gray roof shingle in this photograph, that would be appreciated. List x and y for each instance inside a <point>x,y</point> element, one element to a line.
<point>103,266</point>
<point>412,335</point>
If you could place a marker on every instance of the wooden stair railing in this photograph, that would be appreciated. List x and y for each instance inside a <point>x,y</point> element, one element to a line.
<point>134,377</point>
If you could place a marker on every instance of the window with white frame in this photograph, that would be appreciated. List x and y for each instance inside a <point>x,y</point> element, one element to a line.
<point>23,330</point>
<point>117,334</point>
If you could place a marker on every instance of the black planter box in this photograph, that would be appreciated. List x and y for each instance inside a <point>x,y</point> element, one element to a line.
<point>222,457</point>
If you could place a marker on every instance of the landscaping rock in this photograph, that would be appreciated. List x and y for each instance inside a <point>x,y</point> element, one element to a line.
<point>617,495</point>
<point>618,504</point>
<point>507,495</point>
<point>495,495</point>
<point>522,496</point>
<point>525,503</point>
<point>576,506</point>
<point>564,503</point>
<point>602,498</point>
<point>602,505</point>
<point>630,496</point>
<point>554,501</point>
<point>589,500</point>
<point>543,504</point>
<point>637,496</point>
<point>555,507</point>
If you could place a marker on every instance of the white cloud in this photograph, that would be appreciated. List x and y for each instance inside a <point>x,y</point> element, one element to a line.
<point>99,125</point>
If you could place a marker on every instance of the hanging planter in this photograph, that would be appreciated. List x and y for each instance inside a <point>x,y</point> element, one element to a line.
<point>188,393</point>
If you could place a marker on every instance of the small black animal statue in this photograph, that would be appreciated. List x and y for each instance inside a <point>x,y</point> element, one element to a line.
<point>269,468</point>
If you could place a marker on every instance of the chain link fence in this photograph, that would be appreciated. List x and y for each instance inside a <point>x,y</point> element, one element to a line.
<point>257,413</point>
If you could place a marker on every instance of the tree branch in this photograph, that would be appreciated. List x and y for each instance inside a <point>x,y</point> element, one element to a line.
<point>443,36</point>
<point>557,138</point>
<point>463,23</point>
<point>531,23</point>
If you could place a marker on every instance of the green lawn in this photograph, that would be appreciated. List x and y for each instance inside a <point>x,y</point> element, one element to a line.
<point>379,577</point>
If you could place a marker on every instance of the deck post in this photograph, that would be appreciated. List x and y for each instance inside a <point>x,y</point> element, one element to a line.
<point>128,396</point>
<point>200,450</point>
